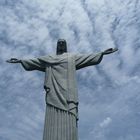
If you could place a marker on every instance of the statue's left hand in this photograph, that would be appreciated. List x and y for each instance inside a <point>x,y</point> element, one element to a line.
<point>110,50</point>
<point>13,60</point>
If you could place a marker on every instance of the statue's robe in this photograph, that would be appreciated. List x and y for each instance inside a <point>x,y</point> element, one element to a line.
<point>61,91</point>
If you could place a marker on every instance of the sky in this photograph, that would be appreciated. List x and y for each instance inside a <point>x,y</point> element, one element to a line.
<point>109,93</point>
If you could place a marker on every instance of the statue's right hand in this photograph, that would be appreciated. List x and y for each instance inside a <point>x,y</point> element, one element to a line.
<point>13,60</point>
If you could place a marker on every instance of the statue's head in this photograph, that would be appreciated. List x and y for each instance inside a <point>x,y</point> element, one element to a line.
<point>61,46</point>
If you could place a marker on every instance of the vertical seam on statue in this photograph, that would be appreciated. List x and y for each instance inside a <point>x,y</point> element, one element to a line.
<point>74,75</point>
<point>68,78</point>
<point>46,76</point>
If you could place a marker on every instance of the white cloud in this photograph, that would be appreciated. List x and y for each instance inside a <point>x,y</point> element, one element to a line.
<point>106,122</point>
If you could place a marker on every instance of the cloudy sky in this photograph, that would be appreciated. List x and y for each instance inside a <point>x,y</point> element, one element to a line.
<point>109,93</point>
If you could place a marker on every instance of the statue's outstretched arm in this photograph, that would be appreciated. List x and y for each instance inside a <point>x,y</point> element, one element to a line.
<point>29,64</point>
<point>84,60</point>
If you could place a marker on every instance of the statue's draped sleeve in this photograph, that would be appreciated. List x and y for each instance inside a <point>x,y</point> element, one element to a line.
<point>33,64</point>
<point>84,60</point>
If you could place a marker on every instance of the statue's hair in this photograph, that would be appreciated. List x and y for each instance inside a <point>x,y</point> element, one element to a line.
<point>61,40</point>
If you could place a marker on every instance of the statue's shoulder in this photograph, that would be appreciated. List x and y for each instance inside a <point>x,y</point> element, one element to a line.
<point>45,56</point>
<point>54,56</point>
<point>71,54</point>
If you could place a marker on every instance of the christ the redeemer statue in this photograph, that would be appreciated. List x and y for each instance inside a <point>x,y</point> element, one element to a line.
<point>61,90</point>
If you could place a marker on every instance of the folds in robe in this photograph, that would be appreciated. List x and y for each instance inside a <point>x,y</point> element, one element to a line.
<point>60,76</point>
